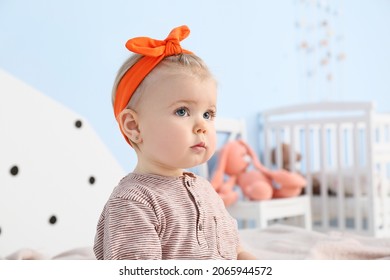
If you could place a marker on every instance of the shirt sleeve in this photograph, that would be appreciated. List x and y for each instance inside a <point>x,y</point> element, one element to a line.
<point>130,231</point>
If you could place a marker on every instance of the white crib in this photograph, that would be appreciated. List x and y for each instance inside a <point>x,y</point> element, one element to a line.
<point>345,146</point>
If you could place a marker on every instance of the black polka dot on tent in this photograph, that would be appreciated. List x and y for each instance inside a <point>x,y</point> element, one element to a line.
<point>14,170</point>
<point>78,124</point>
<point>92,180</point>
<point>53,220</point>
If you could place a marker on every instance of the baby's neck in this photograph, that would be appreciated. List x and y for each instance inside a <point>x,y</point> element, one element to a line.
<point>158,171</point>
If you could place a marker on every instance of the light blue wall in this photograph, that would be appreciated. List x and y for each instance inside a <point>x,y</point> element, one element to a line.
<point>71,50</point>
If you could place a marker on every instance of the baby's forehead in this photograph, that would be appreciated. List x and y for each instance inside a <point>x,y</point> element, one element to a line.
<point>172,82</point>
<point>176,85</point>
<point>171,70</point>
<point>170,73</point>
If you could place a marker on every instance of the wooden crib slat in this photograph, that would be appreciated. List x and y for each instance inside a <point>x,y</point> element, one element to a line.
<point>357,184</point>
<point>324,182</point>
<point>382,146</point>
<point>292,148</point>
<point>307,159</point>
<point>340,187</point>
<point>278,148</point>
<point>369,140</point>
<point>267,151</point>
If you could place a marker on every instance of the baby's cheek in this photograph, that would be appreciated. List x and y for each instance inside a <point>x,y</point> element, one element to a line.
<point>212,145</point>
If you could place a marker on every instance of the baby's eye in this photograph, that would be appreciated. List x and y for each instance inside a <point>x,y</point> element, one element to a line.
<point>209,115</point>
<point>182,112</point>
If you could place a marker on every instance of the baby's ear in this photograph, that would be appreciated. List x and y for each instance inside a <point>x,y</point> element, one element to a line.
<point>128,122</point>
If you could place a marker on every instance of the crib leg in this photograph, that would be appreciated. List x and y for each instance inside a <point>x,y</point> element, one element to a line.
<point>307,216</point>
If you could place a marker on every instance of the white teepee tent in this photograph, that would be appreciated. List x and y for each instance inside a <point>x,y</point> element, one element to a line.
<point>55,173</point>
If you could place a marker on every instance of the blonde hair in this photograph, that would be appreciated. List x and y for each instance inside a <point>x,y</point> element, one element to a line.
<point>185,63</point>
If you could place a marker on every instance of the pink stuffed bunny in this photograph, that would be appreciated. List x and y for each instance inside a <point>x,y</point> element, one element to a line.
<point>257,184</point>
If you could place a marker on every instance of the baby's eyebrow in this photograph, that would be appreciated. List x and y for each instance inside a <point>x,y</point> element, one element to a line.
<point>184,101</point>
<point>189,102</point>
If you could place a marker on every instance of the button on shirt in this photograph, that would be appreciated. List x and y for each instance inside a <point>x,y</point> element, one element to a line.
<point>157,217</point>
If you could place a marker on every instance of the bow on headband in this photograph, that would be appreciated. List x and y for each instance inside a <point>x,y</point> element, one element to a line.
<point>155,48</point>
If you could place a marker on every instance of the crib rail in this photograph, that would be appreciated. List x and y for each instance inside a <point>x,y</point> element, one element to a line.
<point>345,149</point>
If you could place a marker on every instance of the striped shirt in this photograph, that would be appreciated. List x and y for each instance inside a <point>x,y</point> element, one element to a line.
<point>157,217</point>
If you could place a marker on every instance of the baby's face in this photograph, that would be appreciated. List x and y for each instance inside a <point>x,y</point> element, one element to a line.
<point>176,122</point>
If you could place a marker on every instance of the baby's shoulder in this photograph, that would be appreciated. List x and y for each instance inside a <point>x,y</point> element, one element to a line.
<point>129,188</point>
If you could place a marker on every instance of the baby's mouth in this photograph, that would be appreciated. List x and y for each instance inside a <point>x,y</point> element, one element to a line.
<point>200,145</point>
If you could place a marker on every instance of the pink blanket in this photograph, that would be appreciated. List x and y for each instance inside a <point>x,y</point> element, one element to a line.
<point>286,242</point>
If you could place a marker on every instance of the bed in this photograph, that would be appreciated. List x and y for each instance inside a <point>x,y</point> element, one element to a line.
<point>345,149</point>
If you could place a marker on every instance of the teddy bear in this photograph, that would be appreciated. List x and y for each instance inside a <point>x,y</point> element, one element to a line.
<point>285,149</point>
<point>286,161</point>
<point>239,163</point>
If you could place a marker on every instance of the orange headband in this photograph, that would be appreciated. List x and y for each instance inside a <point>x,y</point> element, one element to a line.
<point>153,52</point>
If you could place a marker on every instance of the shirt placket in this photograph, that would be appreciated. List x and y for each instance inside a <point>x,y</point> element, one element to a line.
<point>189,182</point>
